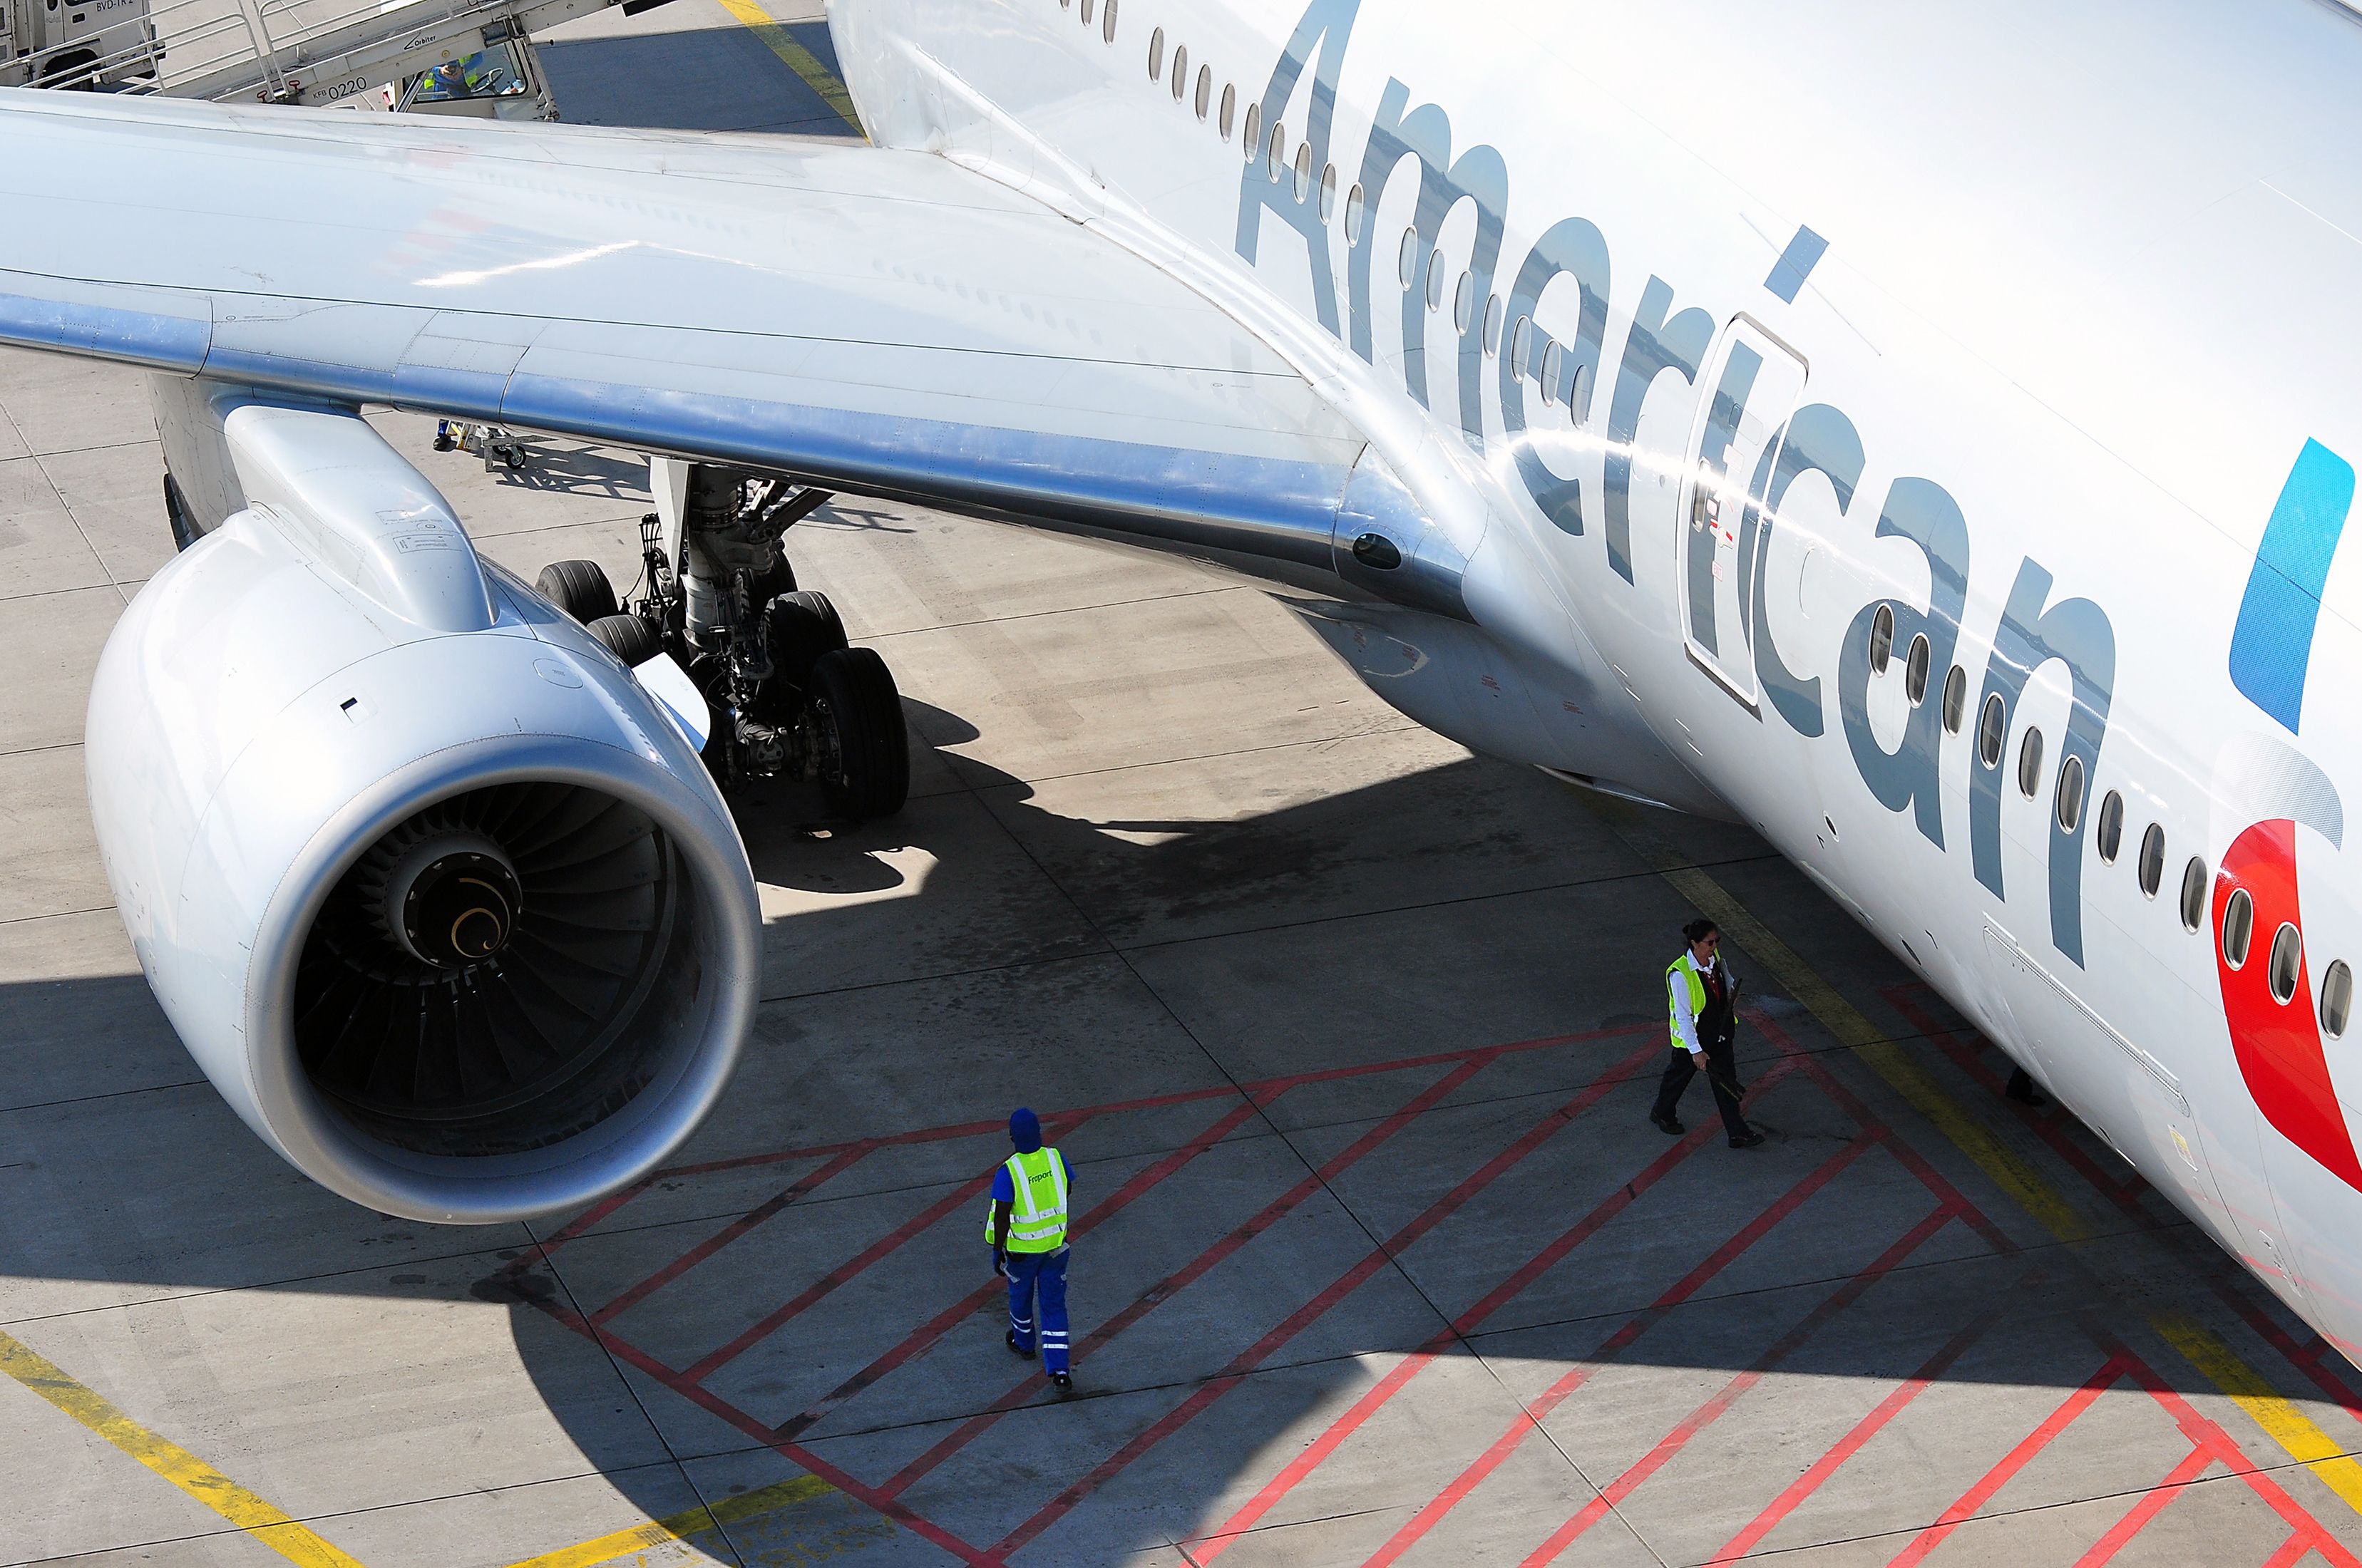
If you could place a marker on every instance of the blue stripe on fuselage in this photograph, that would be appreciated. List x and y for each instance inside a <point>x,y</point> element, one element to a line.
<point>2273,639</point>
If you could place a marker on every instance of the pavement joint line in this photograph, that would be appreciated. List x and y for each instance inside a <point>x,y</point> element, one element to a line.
<point>798,59</point>
<point>2277,1417</point>
<point>55,746</point>
<point>63,914</point>
<point>1044,614</point>
<point>195,1478</point>
<point>1381,726</point>
<point>692,1521</point>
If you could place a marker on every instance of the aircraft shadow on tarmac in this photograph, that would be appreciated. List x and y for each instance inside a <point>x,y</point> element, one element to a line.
<point>1435,991</point>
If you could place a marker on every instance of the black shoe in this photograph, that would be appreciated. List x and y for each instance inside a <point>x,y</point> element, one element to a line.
<point>1747,1140</point>
<point>1064,1381</point>
<point>1016,1349</point>
<point>1668,1125</point>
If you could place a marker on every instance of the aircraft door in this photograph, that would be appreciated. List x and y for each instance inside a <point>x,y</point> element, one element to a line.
<point>1754,383</point>
<point>2122,1093</point>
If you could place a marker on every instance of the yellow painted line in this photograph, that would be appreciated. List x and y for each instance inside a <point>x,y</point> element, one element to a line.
<point>2282,1422</point>
<point>2280,1419</point>
<point>173,1463</point>
<point>798,59</point>
<point>1842,1019</point>
<point>688,1522</point>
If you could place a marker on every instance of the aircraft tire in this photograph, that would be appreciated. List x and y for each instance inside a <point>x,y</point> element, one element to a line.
<point>631,638</point>
<point>852,695</point>
<point>798,629</point>
<point>580,588</point>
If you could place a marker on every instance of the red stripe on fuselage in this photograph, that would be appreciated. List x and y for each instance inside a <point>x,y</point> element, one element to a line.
<point>2278,1042</point>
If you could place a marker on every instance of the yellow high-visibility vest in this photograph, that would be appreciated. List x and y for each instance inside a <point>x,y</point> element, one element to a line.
<point>1680,969</point>
<point>1037,1217</point>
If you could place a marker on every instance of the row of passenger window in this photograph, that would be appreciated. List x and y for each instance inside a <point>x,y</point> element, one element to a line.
<point>1084,7</point>
<point>1199,92</point>
<point>2287,955</point>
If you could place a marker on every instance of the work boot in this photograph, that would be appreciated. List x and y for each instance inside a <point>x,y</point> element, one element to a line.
<point>1015,1349</point>
<point>1064,1381</point>
<point>1747,1140</point>
<point>1668,1125</point>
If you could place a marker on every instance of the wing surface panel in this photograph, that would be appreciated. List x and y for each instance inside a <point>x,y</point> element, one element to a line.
<point>878,320</point>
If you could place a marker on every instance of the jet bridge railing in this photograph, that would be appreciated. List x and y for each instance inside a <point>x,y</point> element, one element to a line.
<point>288,51</point>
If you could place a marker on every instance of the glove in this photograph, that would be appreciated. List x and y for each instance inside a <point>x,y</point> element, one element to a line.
<point>1000,1262</point>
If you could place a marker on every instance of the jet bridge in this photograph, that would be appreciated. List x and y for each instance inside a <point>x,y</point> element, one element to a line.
<point>433,56</point>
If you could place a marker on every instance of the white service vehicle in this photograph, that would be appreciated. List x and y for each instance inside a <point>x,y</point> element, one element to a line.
<point>105,43</point>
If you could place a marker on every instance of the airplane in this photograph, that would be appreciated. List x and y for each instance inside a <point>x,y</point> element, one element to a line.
<point>1921,434</point>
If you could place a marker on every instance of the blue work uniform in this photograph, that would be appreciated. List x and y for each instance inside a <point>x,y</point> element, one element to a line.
<point>1033,1274</point>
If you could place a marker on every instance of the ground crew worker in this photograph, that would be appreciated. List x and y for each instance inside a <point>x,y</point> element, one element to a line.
<point>1702,998</point>
<point>1026,1228</point>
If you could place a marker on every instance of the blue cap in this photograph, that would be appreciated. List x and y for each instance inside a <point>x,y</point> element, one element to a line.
<point>1024,1130</point>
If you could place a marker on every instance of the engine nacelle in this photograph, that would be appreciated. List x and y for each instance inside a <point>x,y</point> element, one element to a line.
<point>433,892</point>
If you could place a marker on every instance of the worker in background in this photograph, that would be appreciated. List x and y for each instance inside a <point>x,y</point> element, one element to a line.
<point>1026,1228</point>
<point>1702,998</point>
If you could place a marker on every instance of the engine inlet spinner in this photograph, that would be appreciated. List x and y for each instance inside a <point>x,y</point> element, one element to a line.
<point>451,900</point>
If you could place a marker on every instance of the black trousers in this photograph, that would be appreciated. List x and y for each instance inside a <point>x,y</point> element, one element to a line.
<point>1722,1076</point>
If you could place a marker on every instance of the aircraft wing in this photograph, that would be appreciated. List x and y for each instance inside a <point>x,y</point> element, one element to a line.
<point>869,320</point>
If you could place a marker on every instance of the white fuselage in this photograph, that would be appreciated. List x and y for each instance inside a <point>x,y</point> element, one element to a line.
<point>2071,348</point>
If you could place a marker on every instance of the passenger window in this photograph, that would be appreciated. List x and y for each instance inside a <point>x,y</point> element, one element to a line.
<point>1107,30</point>
<point>1156,54</point>
<point>1086,12</point>
<point>2112,828</point>
<point>1276,153</point>
<point>2152,859</point>
<point>2336,999</point>
<point>1408,263</point>
<point>2239,926</point>
<point>1353,215</point>
<point>2288,957</point>
<point>1229,120</point>
<point>1303,169</point>
<point>1993,729</point>
<point>1247,139</point>
<point>1914,670</point>
<point>2071,794</point>
<point>1553,357</point>
<point>1328,193</point>
<point>2029,763</point>
<point>1435,279</point>
<point>1521,348</point>
<point>1882,639</point>
<point>1205,90</point>
<point>1180,71</point>
<point>1492,325</point>
<point>1956,700</point>
<point>2193,905</point>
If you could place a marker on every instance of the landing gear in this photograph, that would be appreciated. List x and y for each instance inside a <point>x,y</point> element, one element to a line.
<point>788,697</point>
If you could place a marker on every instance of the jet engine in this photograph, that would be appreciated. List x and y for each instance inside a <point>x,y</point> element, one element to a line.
<point>436,893</point>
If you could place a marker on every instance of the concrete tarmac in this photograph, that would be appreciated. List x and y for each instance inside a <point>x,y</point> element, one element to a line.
<point>1350,1036</point>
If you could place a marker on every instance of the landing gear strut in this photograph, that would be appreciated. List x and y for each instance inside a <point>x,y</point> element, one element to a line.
<point>788,697</point>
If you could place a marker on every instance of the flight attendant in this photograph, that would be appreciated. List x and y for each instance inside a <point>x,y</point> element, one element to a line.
<point>1026,1228</point>
<point>1701,999</point>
